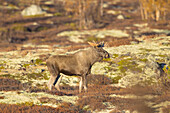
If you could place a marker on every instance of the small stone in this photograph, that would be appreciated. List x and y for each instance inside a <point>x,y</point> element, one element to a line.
<point>121,17</point>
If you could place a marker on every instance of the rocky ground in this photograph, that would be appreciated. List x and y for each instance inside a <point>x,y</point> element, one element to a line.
<point>132,80</point>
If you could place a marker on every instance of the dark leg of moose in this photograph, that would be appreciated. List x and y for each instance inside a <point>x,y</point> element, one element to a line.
<point>56,79</point>
<point>57,82</point>
<point>53,76</point>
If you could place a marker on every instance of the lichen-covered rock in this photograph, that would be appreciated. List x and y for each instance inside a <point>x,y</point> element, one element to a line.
<point>32,10</point>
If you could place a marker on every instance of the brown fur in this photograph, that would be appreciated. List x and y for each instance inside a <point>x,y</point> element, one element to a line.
<point>79,64</point>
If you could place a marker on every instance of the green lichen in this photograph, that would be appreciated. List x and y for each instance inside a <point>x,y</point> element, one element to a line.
<point>115,55</point>
<point>38,61</point>
<point>58,14</point>
<point>7,75</point>
<point>41,28</point>
<point>108,68</point>
<point>107,59</point>
<point>116,79</point>
<point>26,65</point>
<point>19,28</point>
<point>147,50</point>
<point>128,64</point>
<point>93,38</point>
<point>162,56</point>
<point>2,67</point>
<point>37,76</point>
<point>143,60</point>
<point>72,25</point>
<point>26,104</point>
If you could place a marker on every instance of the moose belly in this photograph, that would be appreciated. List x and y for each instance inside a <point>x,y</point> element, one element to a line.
<point>70,72</point>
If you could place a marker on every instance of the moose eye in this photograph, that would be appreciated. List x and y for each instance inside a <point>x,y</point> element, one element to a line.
<point>100,50</point>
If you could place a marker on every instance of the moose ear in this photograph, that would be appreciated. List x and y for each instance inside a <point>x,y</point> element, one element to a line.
<point>101,44</point>
<point>93,44</point>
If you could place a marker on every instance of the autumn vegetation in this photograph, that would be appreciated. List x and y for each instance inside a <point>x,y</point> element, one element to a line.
<point>154,9</point>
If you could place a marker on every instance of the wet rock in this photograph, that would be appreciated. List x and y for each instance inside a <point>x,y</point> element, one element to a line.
<point>32,10</point>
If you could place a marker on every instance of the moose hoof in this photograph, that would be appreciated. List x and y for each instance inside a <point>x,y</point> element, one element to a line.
<point>57,88</point>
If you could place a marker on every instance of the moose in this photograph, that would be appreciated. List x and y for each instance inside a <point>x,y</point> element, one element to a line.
<point>77,64</point>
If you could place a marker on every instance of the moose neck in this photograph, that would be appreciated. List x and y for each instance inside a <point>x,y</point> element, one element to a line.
<point>95,56</point>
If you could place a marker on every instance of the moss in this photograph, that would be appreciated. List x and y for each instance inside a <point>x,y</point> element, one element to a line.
<point>93,38</point>
<point>19,28</point>
<point>26,65</point>
<point>108,68</point>
<point>41,28</point>
<point>107,59</point>
<point>128,64</point>
<point>26,104</point>
<point>38,61</point>
<point>58,14</point>
<point>115,55</point>
<point>46,77</point>
<point>2,67</point>
<point>116,79</point>
<point>162,56</point>
<point>3,29</point>
<point>72,25</point>
<point>125,61</point>
<point>143,60</point>
<point>122,69</point>
<point>37,76</point>
<point>7,75</point>
<point>147,82</point>
<point>147,50</point>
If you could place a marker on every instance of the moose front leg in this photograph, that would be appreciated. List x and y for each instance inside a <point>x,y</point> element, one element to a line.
<point>85,82</point>
<point>80,84</point>
<point>50,82</point>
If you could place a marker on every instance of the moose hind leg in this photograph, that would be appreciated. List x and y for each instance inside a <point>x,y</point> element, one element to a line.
<point>54,72</point>
<point>57,81</point>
